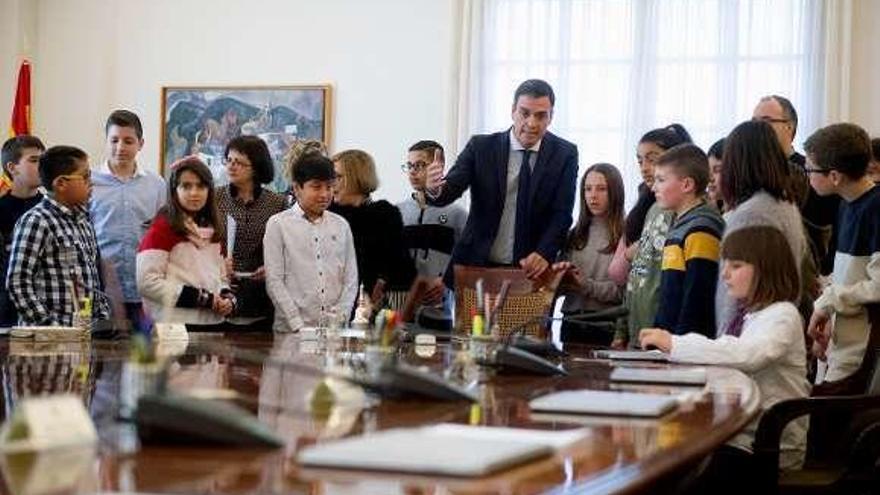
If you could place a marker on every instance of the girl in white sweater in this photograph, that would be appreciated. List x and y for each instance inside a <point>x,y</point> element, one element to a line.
<point>759,272</point>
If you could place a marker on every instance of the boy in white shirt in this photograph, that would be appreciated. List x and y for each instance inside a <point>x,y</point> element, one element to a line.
<point>311,270</point>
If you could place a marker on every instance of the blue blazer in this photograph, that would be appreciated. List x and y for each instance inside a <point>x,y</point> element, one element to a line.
<point>482,167</point>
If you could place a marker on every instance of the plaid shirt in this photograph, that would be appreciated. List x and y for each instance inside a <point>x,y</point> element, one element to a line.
<point>54,256</point>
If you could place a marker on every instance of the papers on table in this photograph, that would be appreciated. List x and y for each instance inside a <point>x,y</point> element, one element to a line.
<point>678,376</point>
<point>653,355</point>
<point>446,449</point>
<point>605,402</point>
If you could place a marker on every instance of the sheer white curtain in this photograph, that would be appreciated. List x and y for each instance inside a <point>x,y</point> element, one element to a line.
<point>623,67</point>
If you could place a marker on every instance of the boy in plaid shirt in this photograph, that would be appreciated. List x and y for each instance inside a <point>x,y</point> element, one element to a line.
<point>54,255</point>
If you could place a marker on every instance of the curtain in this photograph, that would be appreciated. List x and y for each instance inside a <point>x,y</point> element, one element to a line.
<point>623,67</point>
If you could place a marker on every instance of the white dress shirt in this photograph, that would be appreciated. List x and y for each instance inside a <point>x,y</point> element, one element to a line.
<point>311,270</point>
<point>502,247</point>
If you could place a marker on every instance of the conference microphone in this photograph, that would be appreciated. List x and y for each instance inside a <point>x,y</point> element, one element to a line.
<point>391,379</point>
<point>603,315</point>
<point>509,358</point>
<point>524,354</point>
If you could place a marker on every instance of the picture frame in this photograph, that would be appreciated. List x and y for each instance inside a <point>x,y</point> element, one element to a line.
<point>201,120</point>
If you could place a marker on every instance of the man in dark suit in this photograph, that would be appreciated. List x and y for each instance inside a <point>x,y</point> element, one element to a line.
<point>819,212</point>
<point>519,215</point>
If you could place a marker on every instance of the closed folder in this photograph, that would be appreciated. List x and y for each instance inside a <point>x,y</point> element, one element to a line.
<point>606,403</point>
<point>448,450</point>
<point>672,376</point>
<point>653,355</point>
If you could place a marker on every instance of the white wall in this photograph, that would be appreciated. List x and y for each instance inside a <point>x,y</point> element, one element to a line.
<point>865,87</point>
<point>18,36</point>
<point>388,62</point>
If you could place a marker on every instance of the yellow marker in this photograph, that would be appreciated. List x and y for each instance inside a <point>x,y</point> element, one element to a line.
<point>476,414</point>
<point>477,326</point>
<point>85,307</point>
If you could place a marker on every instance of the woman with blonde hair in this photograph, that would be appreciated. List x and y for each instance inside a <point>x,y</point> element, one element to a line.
<point>384,265</point>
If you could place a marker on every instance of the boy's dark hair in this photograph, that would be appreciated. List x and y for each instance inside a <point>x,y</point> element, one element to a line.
<point>426,145</point>
<point>843,147</point>
<point>875,149</point>
<point>716,151</point>
<point>754,161</point>
<point>667,137</point>
<point>59,160</point>
<point>776,275</point>
<point>207,216</point>
<point>125,118</point>
<point>536,88</point>
<point>688,160</point>
<point>14,147</point>
<point>258,154</point>
<point>313,167</point>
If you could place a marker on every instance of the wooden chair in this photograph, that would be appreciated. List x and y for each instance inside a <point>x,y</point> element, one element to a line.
<point>850,458</point>
<point>527,300</point>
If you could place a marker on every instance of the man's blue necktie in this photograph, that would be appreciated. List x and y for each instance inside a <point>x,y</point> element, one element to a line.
<point>523,204</point>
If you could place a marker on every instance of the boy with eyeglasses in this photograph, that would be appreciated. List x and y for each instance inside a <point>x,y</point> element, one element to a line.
<point>20,158</point>
<point>837,162</point>
<point>125,199</point>
<point>54,251</point>
<point>429,232</point>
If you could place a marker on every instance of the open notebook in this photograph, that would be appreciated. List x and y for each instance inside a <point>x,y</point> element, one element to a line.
<point>603,402</point>
<point>677,376</point>
<point>447,449</point>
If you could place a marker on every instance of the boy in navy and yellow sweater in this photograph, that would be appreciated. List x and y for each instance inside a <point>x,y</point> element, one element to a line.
<point>689,270</point>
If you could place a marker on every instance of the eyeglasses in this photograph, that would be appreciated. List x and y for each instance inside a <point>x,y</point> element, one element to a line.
<point>86,176</point>
<point>770,120</point>
<point>413,167</point>
<point>229,162</point>
<point>822,171</point>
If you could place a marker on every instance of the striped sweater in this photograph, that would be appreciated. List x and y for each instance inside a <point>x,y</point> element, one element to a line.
<point>689,271</point>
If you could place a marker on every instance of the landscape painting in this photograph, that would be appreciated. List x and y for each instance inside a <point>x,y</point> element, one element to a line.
<point>201,121</point>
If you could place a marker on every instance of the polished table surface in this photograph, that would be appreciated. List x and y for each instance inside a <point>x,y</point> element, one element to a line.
<point>616,454</point>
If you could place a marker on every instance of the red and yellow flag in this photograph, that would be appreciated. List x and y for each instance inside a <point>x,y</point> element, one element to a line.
<point>21,115</point>
<point>21,109</point>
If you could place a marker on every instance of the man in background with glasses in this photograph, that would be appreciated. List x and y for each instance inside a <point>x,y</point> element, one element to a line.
<point>819,212</point>
<point>430,232</point>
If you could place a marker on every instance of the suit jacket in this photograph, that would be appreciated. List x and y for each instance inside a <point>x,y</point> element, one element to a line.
<point>482,167</point>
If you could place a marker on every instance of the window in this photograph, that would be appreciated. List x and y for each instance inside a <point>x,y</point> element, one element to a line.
<point>623,67</point>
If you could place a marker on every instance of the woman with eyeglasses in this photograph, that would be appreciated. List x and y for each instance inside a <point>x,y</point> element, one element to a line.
<point>385,269</point>
<point>245,206</point>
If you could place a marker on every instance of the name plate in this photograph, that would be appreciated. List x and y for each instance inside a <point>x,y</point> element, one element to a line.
<point>170,331</point>
<point>46,423</point>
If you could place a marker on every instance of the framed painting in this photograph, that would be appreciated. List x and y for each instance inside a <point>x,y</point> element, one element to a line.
<point>201,120</point>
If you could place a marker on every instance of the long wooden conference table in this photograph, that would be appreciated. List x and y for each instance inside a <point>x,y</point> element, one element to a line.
<point>615,455</point>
